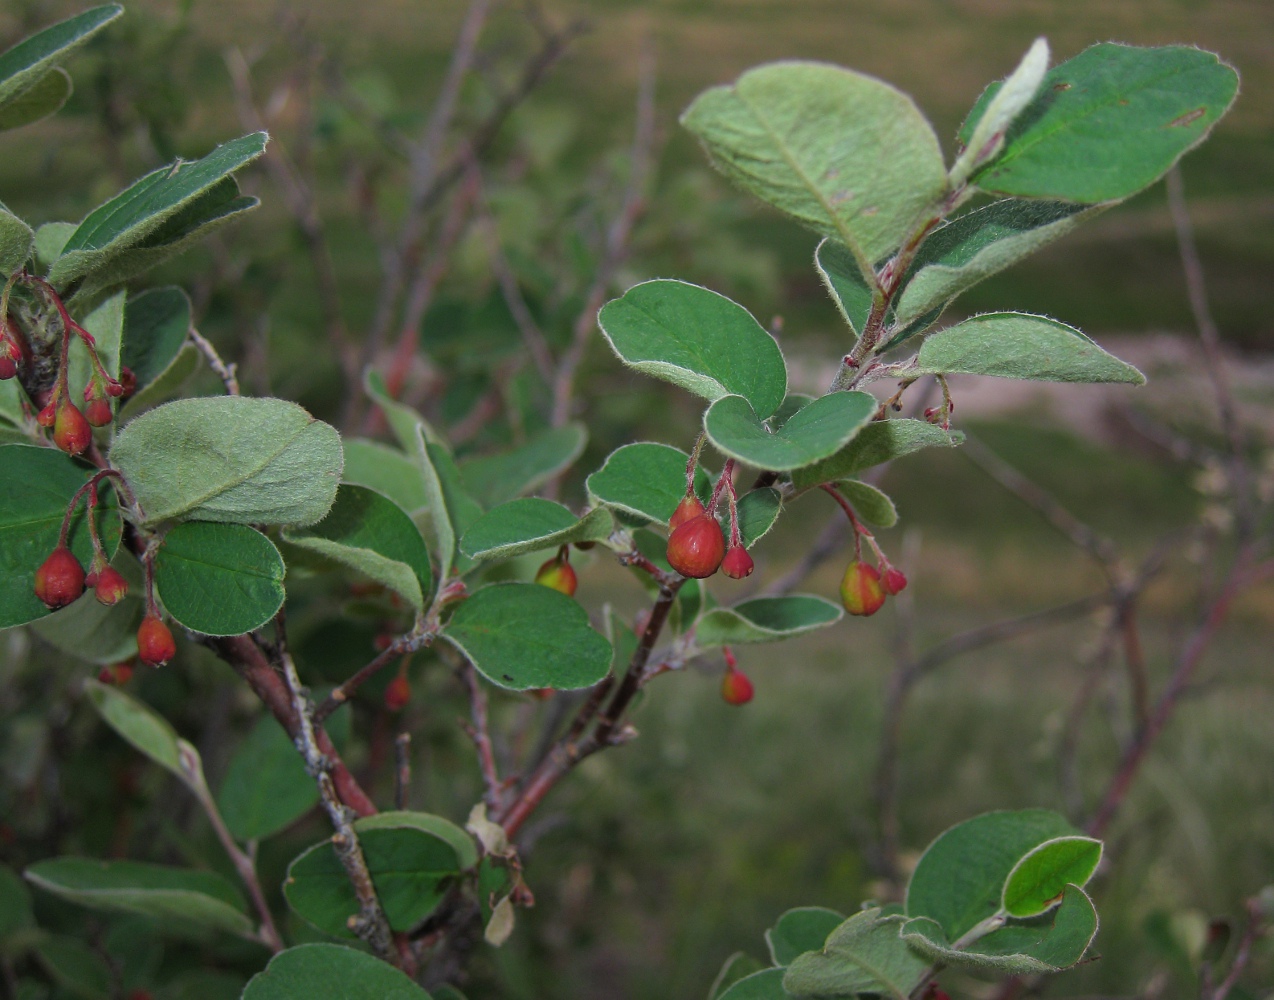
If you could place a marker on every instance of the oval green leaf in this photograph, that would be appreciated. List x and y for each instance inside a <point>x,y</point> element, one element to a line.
<point>810,139</point>
<point>531,524</point>
<point>156,891</point>
<point>766,619</point>
<point>800,930</point>
<point>43,98</point>
<point>697,339</point>
<point>521,636</point>
<point>371,534</point>
<point>1019,345</point>
<point>1108,122</point>
<point>309,971</point>
<point>139,724</point>
<point>231,458</point>
<point>758,513</point>
<point>219,579</point>
<point>1037,881</point>
<point>844,281</point>
<point>764,985</point>
<point>871,504</point>
<point>156,324</point>
<point>31,517</point>
<point>266,788</point>
<point>645,480</point>
<point>814,432</point>
<point>29,60</point>
<point>878,442</point>
<point>863,955</point>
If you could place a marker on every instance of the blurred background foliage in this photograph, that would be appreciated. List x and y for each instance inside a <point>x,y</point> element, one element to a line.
<point>656,862</point>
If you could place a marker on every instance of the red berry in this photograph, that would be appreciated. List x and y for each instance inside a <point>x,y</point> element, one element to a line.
<point>559,575</point>
<point>60,578</point>
<point>155,643</point>
<point>894,581</point>
<point>697,547</point>
<point>118,674</point>
<point>860,590</point>
<point>98,412</point>
<point>688,508</point>
<point>398,693</point>
<point>71,431</point>
<point>127,383</point>
<point>8,367</point>
<point>737,563</point>
<point>736,689</point>
<point>110,587</point>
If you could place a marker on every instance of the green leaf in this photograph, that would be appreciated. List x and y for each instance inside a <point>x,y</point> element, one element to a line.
<point>521,636</point>
<point>531,524</point>
<point>156,324</point>
<point>766,619</point>
<point>15,905</point>
<point>94,632</point>
<point>435,826</point>
<point>75,967</point>
<point>764,985</point>
<point>977,245</point>
<point>31,518</point>
<point>1018,345</point>
<point>231,458</point>
<point>1038,880</point>
<point>811,139</point>
<point>445,532</point>
<point>495,479</point>
<point>758,513</point>
<point>385,470</point>
<point>738,966</point>
<point>219,579</point>
<point>16,242</point>
<point>844,281</point>
<point>148,204</point>
<point>880,441</point>
<point>697,339</point>
<point>266,788</point>
<point>1108,122</point>
<point>815,432</point>
<point>156,891</point>
<point>986,140</point>
<point>645,480</point>
<point>412,864</point>
<point>328,970</point>
<point>863,955</point>
<point>43,98</point>
<point>1047,944</point>
<point>871,504</point>
<point>50,238</point>
<point>140,725</point>
<point>373,535</point>
<point>804,929</point>
<point>166,384</point>
<point>959,881</point>
<point>28,61</point>
<point>402,419</point>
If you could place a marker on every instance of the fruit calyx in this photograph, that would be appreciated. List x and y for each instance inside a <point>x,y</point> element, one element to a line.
<point>696,548</point>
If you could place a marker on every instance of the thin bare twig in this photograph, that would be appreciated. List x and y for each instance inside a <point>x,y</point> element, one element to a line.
<point>1257,924</point>
<point>223,371</point>
<point>407,643</point>
<point>480,732</point>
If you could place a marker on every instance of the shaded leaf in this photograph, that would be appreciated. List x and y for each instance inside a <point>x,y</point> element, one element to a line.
<point>738,966</point>
<point>43,98</point>
<point>764,985</point>
<point>766,619</point>
<point>266,787</point>
<point>863,955</point>
<point>697,339</point>
<point>521,636</point>
<point>219,579</point>
<point>231,458</point>
<point>30,60</point>
<point>815,432</point>
<point>800,930</point>
<point>139,724</point>
<point>496,479</point>
<point>50,238</point>
<point>328,970</point>
<point>16,242</point>
<point>758,513</point>
<point>163,387</point>
<point>871,504</point>
<point>385,470</point>
<point>880,441</point>
<point>75,967</point>
<point>844,281</point>
<point>15,905</point>
<point>156,324</point>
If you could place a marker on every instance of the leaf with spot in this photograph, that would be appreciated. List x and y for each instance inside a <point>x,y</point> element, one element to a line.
<point>522,636</point>
<point>1107,123</point>
<point>699,340</point>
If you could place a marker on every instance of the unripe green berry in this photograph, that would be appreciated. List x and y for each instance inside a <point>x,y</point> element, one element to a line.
<point>559,575</point>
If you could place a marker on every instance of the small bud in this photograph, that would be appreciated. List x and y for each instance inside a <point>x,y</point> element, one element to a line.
<point>894,581</point>
<point>114,389</point>
<point>60,578</point>
<point>688,508</point>
<point>860,589</point>
<point>737,564</point>
<point>398,693</point>
<point>98,412</point>
<point>127,383</point>
<point>736,688</point>
<point>118,674</point>
<point>697,547</point>
<point>110,587</point>
<point>155,643</point>
<point>558,574</point>
<point>541,694</point>
<point>47,416</point>
<point>71,432</point>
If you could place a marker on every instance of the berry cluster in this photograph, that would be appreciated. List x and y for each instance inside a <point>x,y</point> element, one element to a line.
<point>864,587</point>
<point>696,543</point>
